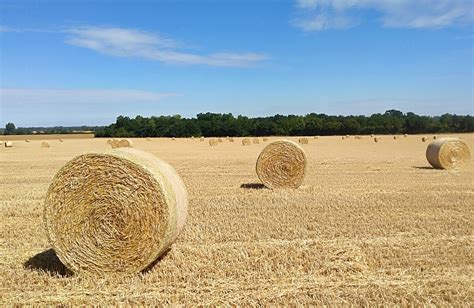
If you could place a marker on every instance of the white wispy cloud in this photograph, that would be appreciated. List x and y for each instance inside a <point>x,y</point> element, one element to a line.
<point>13,97</point>
<point>318,15</point>
<point>124,42</point>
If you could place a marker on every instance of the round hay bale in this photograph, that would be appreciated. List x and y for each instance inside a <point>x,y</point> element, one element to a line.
<point>148,139</point>
<point>45,144</point>
<point>231,139</point>
<point>303,140</point>
<point>173,139</point>
<point>8,144</point>
<point>395,137</point>
<point>265,139</point>
<point>27,140</point>
<point>424,139</point>
<point>122,143</point>
<point>405,135</point>
<point>192,137</point>
<point>282,164</point>
<point>109,141</point>
<point>246,141</point>
<point>255,141</point>
<point>61,140</point>
<point>448,153</point>
<point>376,139</point>
<point>202,139</point>
<point>347,136</point>
<point>343,137</point>
<point>114,211</point>
<point>316,137</point>
<point>372,135</point>
<point>213,142</point>
<point>219,139</point>
<point>435,137</point>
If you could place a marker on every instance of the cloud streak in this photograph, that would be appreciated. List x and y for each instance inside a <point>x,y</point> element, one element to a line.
<point>320,15</point>
<point>124,42</point>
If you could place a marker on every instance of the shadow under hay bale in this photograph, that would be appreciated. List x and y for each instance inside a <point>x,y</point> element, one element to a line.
<point>253,186</point>
<point>47,261</point>
<point>150,267</point>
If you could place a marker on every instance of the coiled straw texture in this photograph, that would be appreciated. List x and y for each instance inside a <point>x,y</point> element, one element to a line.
<point>282,164</point>
<point>448,153</point>
<point>114,211</point>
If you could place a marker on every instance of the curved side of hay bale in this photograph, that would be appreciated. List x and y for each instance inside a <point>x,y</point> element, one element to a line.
<point>148,139</point>
<point>219,139</point>
<point>213,142</point>
<point>125,143</point>
<point>27,140</point>
<point>424,139</point>
<point>303,140</point>
<point>405,135</point>
<point>435,137</point>
<point>448,153</point>
<point>395,137</point>
<point>8,144</point>
<point>45,144</point>
<point>282,164</point>
<point>61,140</point>
<point>246,141</point>
<point>231,139</point>
<point>265,139</point>
<point>114,211</point>
<point>201,139</point>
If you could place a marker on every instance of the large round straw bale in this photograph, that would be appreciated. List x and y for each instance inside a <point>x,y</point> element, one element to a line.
<point>372,135</point>
<point>448,153</point>
<point>202,139</point>
<point>255,141</point>
<point>213,142</point>
<point>303,140</point>
<point>173,138</point>
<point>114,211</point>
<point>282,164</point>
<point>45,144</point>
<point>8,144</point>
<point>246,141</point>
<point>405,135</point>
<point>192,137</point>
<point>122,143</point>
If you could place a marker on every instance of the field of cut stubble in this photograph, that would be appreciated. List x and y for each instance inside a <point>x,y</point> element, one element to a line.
<point>373,223</point>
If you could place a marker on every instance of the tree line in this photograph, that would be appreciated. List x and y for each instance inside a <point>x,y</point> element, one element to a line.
<point>218,125</point>
<point>11,129</point>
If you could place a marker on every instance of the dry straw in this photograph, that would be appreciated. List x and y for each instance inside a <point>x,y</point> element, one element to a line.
<point>316,137</point>
<point>61,140</point>
<point>265,139</point>
<point>405,135</point>
<point>282,164</point>
<point>8,144</point>
<point>109,141</point>
<point>303,140</point>
<point>148,139</point>
<point>255,141</point>
<point>448,153</point>
<point>45,144</point>
<point>231,139</point>
<point>219,140</point>
<point>114,211</point>
<point>201,139</point>
<point>213,142</point>
<point>27,140</point>
<point>122,143</point>
<point>246,141</point>
<point>173,138</point>
<point>424,139</point>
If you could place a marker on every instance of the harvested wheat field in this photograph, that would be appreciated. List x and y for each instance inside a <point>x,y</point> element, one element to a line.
<point>372,223</point>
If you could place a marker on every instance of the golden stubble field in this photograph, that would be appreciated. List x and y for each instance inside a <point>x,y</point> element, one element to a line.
<point>372,224</point>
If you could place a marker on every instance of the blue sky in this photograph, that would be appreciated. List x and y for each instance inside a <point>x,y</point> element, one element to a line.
<point>86,62</point>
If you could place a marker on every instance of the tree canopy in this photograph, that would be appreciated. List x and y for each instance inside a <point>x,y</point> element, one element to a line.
<point>218,124</point>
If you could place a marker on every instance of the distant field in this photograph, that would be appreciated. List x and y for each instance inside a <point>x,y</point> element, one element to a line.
<point>372,224</point>
<point>46,137</point>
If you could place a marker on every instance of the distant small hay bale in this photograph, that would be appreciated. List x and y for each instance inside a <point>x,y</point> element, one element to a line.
<point>8,144</point>
<point>219,140</point>
<point>231,139</point>
<point>109,141</point>
<point>376,139</point>
<point>343,137</point>
<point>405,135</point>
<point>303,140</point>
<point>27,140</point>
<point>114,211</point>
<point>122,143</point>
<point>265,139</point>
<point>316,137</point>
<point>213,142</point>
<point>448,153</point>
<point>148,139</point>
<point>201,139</point>
<point>372,135</point>
<point>61,140</point>
<point>192,137</point>
<point>45,144</point>
<point>347,136</point>
<point>395,137</point>
<point>255,141</point>
<point>282,164</point>
<point>435,137</point>
<point>358,137</point>
<point>246,141</point>
<point>173,138</point>
<point>424,139</point>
